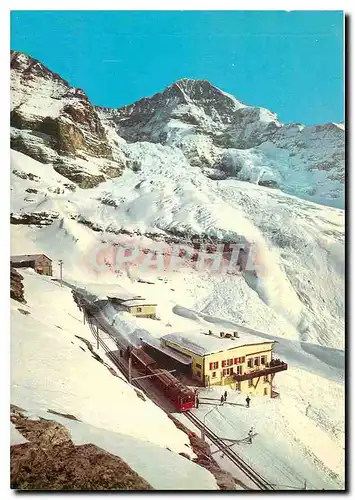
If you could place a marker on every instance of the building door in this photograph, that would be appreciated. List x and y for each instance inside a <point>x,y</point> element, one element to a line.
<point>239,369</point>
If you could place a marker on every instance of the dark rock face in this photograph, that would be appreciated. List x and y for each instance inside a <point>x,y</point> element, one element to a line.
<point>38,219</point>
<point>16,286</point>
<point>51,461</point>
<point>178,101</point>
<point>50,118</point>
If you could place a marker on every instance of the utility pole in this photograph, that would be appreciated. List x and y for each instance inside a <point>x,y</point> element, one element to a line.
<point>129,368</point>
<point>61,272</point>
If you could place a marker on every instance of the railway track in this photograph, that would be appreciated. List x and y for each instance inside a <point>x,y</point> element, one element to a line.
<point>253,475</point>
<point>116,360</point>
<point>94,321</point>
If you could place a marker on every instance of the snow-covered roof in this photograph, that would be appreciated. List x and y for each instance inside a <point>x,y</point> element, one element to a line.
<point>27,257</point>
<point>156,344</point>
<point>124,296</point>
<point>202,344</point>
<point>137,302</point>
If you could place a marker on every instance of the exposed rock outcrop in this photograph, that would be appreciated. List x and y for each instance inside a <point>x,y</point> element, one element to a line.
<point>52,121</point>
<point>16,286</point>
<point>51,461</point>
<point>38,219</point>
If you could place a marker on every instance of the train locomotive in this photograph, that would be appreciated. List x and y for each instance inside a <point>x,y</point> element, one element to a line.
<point>180,396</point>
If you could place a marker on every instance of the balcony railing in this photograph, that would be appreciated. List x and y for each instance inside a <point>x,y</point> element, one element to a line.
<point>272,367</point>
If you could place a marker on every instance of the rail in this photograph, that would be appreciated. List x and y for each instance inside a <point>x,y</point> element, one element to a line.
<point>252,474</point>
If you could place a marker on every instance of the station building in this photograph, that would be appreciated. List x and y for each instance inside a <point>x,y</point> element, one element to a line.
<point>135,304</point>
<point>241,361</point>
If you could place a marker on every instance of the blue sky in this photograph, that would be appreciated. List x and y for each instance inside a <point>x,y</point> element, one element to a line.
<point>288,62</point>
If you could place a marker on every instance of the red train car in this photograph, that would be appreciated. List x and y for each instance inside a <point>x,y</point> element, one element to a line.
<point>182,398</point>
<point>142,359</point>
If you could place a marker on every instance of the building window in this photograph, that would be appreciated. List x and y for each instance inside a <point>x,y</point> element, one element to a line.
<point>256,361</point>
<point>250,382</point>
<point>223,363</point>
<point>229,362</point>
<point>139,309</point>
<point>236,361</point>
<point>198,366</point>
<point>214,366</point>
<point>224,373</point>
<point>265,391</point>
<point>250,363</point>
<point>262,360</point>
<point>242,360</point>
<point>213,374</point>
<point>239,369</point>
<point>229,371</point>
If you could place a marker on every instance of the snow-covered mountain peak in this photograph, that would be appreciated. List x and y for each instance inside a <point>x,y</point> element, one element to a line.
<point>56,123</point>
<point>27,68</point>
<point>201,90</point>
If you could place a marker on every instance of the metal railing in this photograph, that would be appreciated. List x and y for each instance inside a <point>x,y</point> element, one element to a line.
<point>277,367</point>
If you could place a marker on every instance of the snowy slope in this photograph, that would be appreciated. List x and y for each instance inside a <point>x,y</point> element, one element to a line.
<point>53,369</point>
<point>302,249</point>
<point>300,245</point>
<point>226,138</point>
<point>292,444</point>
<point>195,163</point>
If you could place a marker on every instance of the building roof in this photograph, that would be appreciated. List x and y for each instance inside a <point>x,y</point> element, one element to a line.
<point>201,343</point>
<point>27,257</point>
<point>123,296</point>
<point>136,302</point>
<point>156,344</point>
